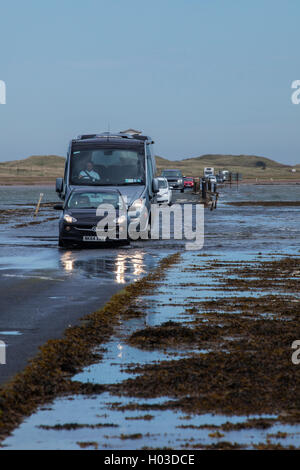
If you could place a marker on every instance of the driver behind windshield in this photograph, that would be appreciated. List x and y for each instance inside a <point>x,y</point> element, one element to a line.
<point>89,173</point>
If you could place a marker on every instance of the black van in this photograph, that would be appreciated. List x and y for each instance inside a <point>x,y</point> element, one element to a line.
<point>116,161</point>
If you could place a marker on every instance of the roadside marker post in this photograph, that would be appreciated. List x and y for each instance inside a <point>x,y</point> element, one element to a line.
<point>38,204</point>
<point>2,353</point>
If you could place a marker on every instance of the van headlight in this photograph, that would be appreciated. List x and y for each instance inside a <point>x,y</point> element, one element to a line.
<point>179,181</point>
<point>136,208</point>
<point>137,205</point>
<point>69,219</point>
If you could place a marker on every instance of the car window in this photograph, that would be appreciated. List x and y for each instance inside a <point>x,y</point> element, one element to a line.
<point>170,174</point>
<point>91,200</point>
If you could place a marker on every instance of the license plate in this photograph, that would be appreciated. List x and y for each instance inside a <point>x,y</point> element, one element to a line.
<point>93,238</point>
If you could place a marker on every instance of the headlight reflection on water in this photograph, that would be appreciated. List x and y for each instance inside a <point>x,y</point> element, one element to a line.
<point>126,263</point>
<point>125,267</point>
<point>67,260</point>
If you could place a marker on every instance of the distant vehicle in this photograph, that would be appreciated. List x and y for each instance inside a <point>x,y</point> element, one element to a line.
<point>175,179</point>
<point>164,194</point>
<point>212,178</point>
<point>78,220</point>
<point>208,171</point>
<point>224,175</point>
<point>189,182</point>
<point>122,161</point>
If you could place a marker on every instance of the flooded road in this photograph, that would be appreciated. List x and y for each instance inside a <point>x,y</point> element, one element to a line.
<point>45,289</point>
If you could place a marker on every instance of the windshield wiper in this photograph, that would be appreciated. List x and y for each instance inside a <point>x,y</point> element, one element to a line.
<point>96,183</point>
<point>78,208</point>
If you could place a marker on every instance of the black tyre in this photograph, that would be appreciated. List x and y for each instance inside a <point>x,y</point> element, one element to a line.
<point>62,243</point>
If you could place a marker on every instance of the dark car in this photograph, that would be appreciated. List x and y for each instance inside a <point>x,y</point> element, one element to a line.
<point>84,209</point>
<point>175,179</point>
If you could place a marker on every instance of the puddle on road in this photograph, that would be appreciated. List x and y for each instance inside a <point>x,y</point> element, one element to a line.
<point>109,265</point>
<point>117,265</point>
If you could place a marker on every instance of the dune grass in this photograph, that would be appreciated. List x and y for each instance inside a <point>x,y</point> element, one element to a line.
<point>39,169</point>
<point>249,166</point>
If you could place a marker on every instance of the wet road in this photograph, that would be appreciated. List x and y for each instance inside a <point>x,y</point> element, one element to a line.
<point>40,303</point>
<point>44,289</point>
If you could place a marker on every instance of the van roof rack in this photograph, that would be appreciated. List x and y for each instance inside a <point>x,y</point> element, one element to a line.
<point>115,135</point>
<point>104,135</point>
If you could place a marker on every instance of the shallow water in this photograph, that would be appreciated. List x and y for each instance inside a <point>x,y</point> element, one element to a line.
<point>134,429</point>
<point>14,196</point>
<point>164,428</point>
<point>243,234</point>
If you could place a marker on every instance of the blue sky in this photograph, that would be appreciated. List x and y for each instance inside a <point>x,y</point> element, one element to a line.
<point>199,76</point>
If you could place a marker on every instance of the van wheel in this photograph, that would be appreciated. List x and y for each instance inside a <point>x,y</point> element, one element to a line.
<point>182,190</point>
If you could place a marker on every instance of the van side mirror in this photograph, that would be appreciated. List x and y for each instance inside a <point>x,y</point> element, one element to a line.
<point>155,188</point>
<point>59,185</point>
<point>58,207</point>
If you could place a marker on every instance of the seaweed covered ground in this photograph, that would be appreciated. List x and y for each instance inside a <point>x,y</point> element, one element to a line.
<point>49,374</point>
<point>204,361</point>
<point>246,368</point>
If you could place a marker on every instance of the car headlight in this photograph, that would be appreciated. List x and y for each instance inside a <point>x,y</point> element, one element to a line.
<point>120,220</point>
<point>137,205</point>
<point>69,219</point>
<point>179,181</point>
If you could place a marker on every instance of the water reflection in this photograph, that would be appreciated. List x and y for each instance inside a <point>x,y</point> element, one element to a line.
<point>125,262</point>
<point>123,267</point>
<point>120,269</point>
<point>120,348</point>
<point>67,261</point>
<point>138,263</point>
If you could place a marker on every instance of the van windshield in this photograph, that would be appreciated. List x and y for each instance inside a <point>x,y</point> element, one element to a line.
<point>107,166</point>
